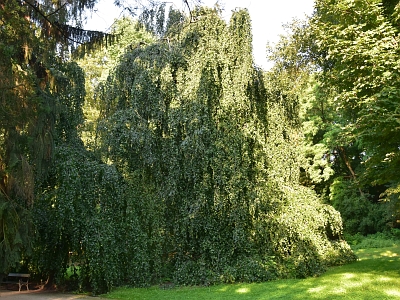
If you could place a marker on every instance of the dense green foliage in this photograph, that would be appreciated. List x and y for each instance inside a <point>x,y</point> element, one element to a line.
<point>26,126</point>
<point>193,172</point>
<point>374,276</point>
<point>360,65</point>
<point>39,107</point>
<point>377,240</point>
<point>97,64</point>
<point>347,59</point>
<point>205,146</point>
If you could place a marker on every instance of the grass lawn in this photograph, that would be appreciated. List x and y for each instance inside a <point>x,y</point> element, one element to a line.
<point>375,276</point>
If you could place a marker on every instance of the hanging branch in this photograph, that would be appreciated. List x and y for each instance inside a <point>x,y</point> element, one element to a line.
<point>73,34</point>
<point>84,36</point>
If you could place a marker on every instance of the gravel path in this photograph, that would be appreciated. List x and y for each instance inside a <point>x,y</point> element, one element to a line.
<point>41,295</point>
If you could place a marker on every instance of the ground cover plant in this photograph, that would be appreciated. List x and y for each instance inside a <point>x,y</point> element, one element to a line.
<point>374,276</point>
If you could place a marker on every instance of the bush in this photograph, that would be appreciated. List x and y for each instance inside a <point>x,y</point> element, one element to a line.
<point>189,272</point>
<point>377,240</point>
<point>360,214</point>
<point>250,269</point>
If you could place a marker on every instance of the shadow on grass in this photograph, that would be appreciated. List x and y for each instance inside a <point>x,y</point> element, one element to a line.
<point>375,276</point>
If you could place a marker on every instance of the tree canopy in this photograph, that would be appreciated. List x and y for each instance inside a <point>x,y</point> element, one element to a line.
<point>35,95</point>
<point>348,55</point>
<point>202,139</point>
<point>190,168</point>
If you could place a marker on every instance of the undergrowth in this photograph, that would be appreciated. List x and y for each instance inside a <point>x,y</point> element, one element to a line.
<point>377,240</point>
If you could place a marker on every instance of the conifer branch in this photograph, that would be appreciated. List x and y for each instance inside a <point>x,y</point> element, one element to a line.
<point>69,32</point>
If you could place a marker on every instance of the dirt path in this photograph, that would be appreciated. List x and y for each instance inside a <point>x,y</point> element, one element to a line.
<point>41,295</point>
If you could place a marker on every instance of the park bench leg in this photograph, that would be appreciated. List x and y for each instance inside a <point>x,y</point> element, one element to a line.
<point>21,283</point>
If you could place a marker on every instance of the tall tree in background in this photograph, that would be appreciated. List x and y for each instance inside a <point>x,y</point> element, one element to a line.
<point>42,94</point>
<point>82,215</point>
<point>359,43</point>
<point>350,115</point>
<point>97,65</point>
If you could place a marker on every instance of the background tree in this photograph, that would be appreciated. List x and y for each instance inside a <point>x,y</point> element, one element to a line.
<point>349,112</point>
<point>41,97</point>
<point>361,58</point>
<point>82,216</point>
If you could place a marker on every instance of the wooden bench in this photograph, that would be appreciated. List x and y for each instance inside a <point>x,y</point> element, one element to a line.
<point>18,278</point>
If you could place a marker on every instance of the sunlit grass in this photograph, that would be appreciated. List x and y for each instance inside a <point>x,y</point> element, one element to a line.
<point>375,276</point>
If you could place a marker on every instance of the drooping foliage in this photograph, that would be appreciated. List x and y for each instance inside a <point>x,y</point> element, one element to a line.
<point>206,147</point>
<point>196,180</point>
<point>34,42</point>
<point>97,64</point>
<point>81,222</point>
<point>61,22</point>
<point>82,217</point>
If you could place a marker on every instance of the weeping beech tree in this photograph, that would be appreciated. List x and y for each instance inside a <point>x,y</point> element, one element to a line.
<point>207,148</point>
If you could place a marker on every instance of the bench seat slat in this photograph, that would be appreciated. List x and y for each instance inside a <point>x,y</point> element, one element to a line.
<point>19,275</point>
